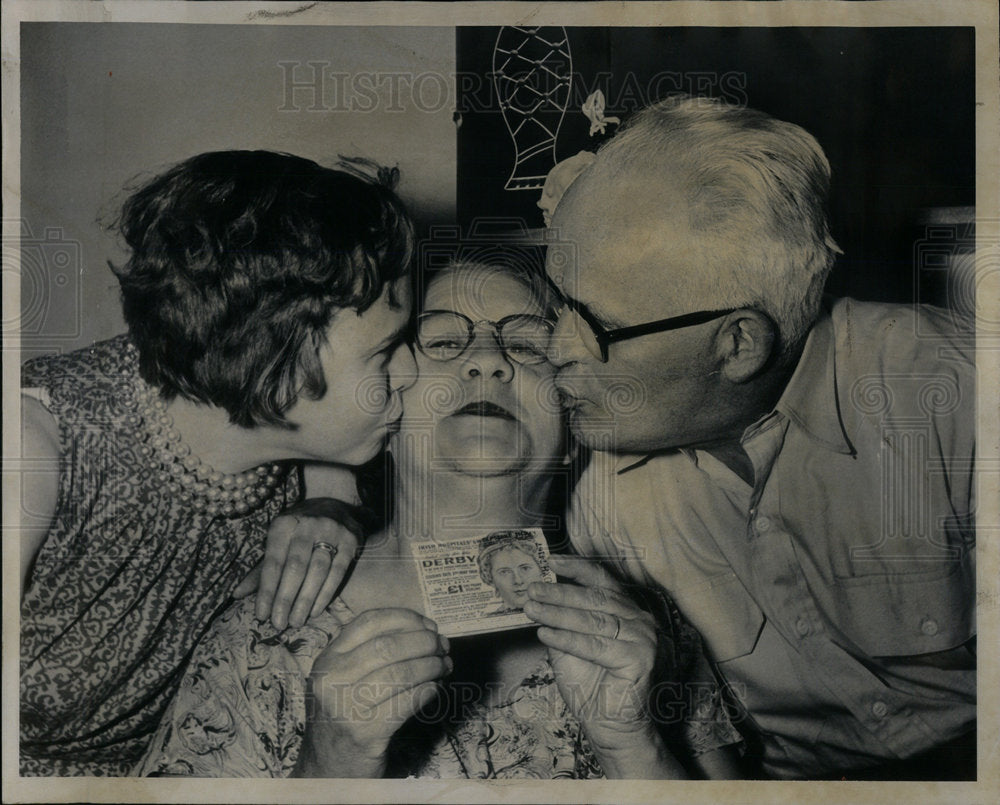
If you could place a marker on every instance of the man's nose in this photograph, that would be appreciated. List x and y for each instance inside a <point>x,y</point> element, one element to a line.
<point>564,344</point>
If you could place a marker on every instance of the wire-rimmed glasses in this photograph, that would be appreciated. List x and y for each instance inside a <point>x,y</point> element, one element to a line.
<point>444,335</point>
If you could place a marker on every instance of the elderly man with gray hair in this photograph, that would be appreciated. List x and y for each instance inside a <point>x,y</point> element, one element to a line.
<point>796,472</point>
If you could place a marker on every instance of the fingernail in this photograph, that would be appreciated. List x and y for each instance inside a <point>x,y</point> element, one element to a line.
<point>445,643</point>
<point>429,624</point>
<point>531,608</point>
<point>449,665</point>
<point>538,590</point>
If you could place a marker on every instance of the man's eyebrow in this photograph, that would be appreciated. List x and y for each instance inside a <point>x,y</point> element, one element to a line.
<point>609,322</point>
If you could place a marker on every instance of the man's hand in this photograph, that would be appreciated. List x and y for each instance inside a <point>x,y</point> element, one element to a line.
<point>310,547</point>
<point>602,648</point>
<point>380,670</point>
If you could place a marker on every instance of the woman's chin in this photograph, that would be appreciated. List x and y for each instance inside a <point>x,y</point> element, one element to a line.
<point>485,467</point>
<point>487,457</point>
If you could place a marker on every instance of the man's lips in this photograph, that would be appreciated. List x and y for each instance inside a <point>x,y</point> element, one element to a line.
<point>567,398</point>
<point>484,408</point>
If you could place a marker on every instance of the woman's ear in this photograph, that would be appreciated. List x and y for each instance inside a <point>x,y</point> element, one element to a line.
<point>748,341</point>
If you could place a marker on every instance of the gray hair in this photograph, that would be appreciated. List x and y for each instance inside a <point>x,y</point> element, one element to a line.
<point>756,184</point>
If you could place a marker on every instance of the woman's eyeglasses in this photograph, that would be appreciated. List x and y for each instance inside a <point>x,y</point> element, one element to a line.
<point>443,335</point>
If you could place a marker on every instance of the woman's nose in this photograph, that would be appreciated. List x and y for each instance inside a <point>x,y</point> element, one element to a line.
<point>484,358</point>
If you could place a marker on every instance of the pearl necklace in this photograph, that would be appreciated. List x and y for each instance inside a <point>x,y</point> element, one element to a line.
<point>183,474</point>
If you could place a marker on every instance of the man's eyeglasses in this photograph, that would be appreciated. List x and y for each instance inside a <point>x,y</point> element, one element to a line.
<point>443,335</point>
<point>597,339</point>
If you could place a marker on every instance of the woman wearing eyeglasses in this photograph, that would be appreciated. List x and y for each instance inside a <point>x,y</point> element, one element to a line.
<point>369,688</point>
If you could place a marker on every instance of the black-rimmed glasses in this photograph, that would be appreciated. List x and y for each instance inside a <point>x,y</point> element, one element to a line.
<point>597,339</point>
<point>443,335</point>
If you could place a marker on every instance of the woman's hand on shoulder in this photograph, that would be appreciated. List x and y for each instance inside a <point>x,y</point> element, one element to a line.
<point>380,670</point>
<point>310,548</point>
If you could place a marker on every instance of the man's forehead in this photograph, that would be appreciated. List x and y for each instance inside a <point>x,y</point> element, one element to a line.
<point>620,241</point>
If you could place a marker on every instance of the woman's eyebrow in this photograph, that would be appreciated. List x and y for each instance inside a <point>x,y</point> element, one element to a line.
<point>395,337</point>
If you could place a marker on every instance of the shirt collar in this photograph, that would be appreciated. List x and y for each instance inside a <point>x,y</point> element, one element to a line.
<point>629,461</point>
<point>810,399</point>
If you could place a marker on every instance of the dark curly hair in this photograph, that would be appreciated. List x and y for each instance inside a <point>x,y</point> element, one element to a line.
<point>239,259</point>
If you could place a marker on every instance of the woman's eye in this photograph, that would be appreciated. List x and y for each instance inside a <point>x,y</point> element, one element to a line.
<point>525,346</point>
<point>382,357</point>
<point>444,343</point>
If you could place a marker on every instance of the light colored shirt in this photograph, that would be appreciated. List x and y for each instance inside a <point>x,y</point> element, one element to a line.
<point>836,594</point>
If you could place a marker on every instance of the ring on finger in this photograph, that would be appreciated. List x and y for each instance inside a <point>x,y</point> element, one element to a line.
<point>319,545</point>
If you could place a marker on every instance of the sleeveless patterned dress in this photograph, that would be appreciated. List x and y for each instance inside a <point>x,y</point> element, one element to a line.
<point>127,580</point>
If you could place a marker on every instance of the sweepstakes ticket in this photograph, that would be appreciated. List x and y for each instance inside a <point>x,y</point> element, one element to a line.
<point>479,584</point>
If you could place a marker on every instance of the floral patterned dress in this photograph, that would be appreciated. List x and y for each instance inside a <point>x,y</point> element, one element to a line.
<point>240,712</point>
<point>126,581</point>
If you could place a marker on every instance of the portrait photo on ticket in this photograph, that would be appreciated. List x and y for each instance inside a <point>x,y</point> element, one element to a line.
<point>480,584</point>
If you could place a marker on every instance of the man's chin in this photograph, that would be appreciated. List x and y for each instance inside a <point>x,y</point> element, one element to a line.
<point>594,427</point>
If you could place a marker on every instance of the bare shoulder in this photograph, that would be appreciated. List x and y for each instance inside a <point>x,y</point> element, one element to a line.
<point>40,487</point>
<point>40,429</point>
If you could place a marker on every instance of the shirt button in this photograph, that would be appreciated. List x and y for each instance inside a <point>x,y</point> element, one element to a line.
<point>879,709</point>
<point>802,626</point>
<point>763,523</point>
<point>929,627</point>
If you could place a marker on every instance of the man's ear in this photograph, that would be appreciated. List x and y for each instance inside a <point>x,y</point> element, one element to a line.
<point>748,340</point>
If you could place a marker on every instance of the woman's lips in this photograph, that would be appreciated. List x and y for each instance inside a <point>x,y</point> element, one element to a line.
<point>483,408</point>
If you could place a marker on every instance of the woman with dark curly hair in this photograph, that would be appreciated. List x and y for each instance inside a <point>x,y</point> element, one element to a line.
<point>267,301</point>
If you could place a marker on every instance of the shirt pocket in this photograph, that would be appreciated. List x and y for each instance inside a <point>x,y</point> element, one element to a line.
<point>908,614</point>
<point>727,617</point>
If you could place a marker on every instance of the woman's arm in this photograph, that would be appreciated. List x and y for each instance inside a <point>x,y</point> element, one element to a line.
<point>40,486</point>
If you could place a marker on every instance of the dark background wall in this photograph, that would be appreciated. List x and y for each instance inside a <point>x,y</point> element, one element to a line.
<point>102,104</point>
<point>894,108</point>
<point>105,103</point>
